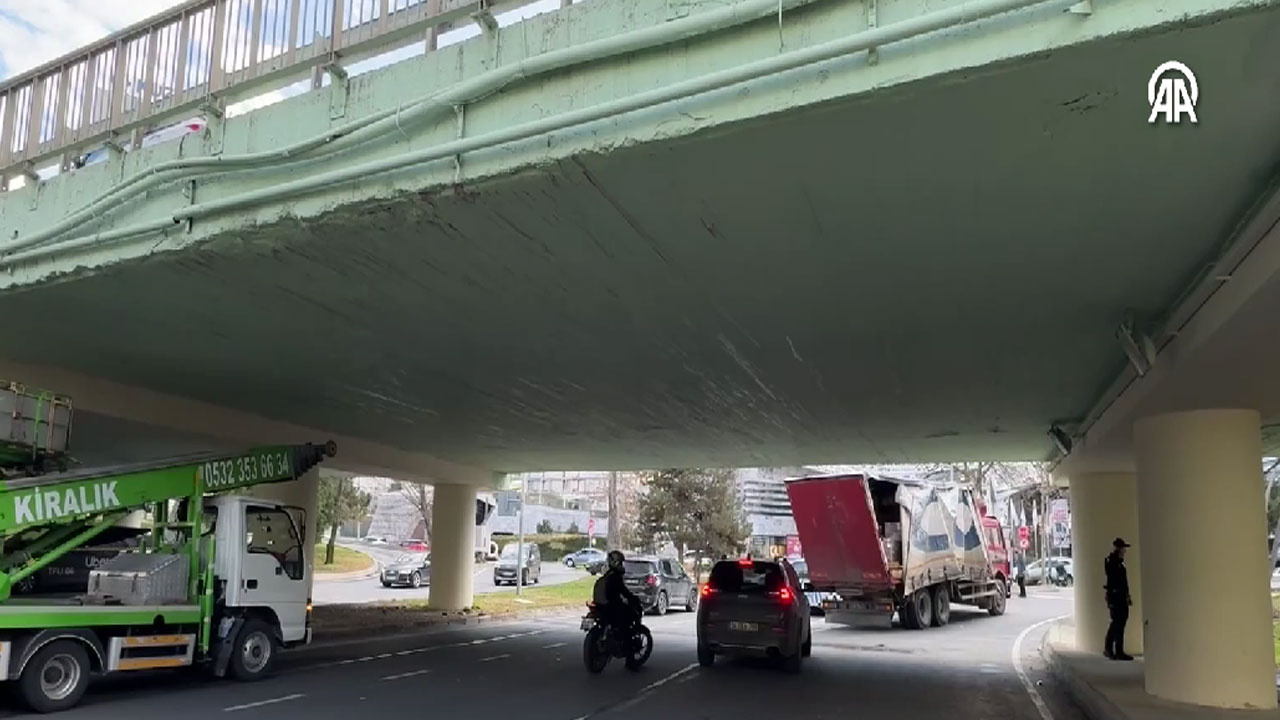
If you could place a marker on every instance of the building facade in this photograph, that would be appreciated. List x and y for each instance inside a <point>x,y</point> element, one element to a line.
<point>763,494</point>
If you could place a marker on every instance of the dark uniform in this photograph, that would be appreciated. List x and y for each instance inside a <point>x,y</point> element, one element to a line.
<point>1118,602</point>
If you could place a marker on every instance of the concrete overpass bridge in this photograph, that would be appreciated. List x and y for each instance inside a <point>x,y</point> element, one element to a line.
<point>681,232</point>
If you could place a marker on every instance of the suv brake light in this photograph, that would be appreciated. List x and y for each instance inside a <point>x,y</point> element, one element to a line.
<point>707,590</point>
<point>784,595</point>
<point>651,580</point>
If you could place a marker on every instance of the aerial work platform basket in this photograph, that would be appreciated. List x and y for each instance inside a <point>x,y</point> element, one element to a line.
<point>35,428</point>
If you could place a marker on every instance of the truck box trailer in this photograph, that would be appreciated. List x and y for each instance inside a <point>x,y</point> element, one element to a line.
<point>882,546</point>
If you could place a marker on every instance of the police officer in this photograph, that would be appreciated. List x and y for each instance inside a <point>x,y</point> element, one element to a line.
<point>1022,574</point>
<point>1118,601</point>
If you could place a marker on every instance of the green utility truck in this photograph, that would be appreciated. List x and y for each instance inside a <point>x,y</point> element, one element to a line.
<point>220,580</point>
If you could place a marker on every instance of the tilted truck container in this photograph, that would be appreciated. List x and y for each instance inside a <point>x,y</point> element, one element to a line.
<point>884,546</point>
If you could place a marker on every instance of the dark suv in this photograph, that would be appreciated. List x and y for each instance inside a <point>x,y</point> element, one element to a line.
<point>660,583</point>
<point>754,607</point>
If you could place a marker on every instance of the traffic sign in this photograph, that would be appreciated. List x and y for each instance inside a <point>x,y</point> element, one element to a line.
<point>591,527</point>
<point>1024,533</point>
<point>1024,543</point>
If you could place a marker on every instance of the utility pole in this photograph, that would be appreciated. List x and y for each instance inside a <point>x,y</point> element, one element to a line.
<point>614,531</point>
<point>521,553</point>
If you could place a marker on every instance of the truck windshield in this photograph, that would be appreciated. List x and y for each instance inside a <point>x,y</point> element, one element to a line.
<point>746,577</point>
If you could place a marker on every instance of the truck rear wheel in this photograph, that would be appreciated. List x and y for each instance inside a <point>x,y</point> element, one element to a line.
<point>941,605</point>
<point>254,654</point>
<point>55,677</point>
<point>917,611</point>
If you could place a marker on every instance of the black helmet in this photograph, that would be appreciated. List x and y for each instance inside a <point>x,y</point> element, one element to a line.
<point>615,558</point>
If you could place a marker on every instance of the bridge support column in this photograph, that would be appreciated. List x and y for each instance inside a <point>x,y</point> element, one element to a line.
<point>304,493</point>
<point>1203,537</point>
<point>1104,506</point>
<point>453,539</point>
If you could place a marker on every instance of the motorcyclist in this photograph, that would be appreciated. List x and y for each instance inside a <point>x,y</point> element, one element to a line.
<point>617,606</point>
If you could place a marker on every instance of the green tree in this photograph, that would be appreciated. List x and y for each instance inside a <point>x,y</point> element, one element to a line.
<point>544,528</point>
<point>574,529</point>
<point>339,502</point>
<point>693,508</point>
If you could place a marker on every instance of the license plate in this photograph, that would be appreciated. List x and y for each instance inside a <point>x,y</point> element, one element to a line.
<point>588,623</point>
<point>744,626</point>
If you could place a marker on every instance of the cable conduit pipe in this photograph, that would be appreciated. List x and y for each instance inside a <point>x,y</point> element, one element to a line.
<point>379,125</point>
<point>875,37</point>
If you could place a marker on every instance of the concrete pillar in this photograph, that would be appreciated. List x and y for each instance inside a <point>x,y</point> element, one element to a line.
<point>1203,538</point>
<point>1104,506</point>
<point>304,493</point>
<point>453,539</point>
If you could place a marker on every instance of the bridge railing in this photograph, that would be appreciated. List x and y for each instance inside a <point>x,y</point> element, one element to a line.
<point>197,55</point>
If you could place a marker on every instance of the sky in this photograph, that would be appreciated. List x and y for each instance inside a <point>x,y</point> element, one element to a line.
<point>33,32</point>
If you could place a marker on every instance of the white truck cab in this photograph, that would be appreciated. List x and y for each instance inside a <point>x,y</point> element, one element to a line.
<point>260,563</point>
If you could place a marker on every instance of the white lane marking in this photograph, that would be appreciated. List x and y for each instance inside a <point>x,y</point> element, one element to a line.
<point>640,695</point>
<point>260,703</point>
<point>653,686</point>
<point>402,676</point>
<point>553,645</point>
<point>495,657</point>
<point>1022,673</point>
<point>429,648</point>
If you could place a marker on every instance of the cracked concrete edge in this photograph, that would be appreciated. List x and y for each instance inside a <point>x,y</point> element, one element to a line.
<point>1094,704</point>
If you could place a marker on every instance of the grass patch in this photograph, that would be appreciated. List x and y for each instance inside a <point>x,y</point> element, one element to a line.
<point>345,560</point>
<point>568,595</point>
<point>573,594</point>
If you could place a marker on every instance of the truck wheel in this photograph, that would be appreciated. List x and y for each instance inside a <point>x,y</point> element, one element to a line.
<point>941,605</point>
<point>254,653</point>
<point>917,611</point>
<point>995,603</point>
<point>55,677</point>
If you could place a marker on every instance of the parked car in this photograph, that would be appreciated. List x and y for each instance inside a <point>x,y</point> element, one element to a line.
<point>1036,569</point>
<point>660,583</point>
<point>529,564</point>
<point>754,607</point>
<point>374,540</point>
<point>70,572</point>
<point>408,571</point>
<point>583,557</point>
<point>415,546</point>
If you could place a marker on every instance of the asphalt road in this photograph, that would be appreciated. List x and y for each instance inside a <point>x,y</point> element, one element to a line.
<point>533,670</point>
<point>367,590</point>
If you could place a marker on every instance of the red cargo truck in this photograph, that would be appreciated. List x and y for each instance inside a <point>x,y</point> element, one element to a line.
<point>885,545</point>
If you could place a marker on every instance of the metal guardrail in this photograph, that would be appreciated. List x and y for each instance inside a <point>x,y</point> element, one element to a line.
<point>195,58</point>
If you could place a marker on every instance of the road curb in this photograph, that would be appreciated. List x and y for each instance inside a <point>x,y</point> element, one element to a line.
<point>371,572</point>
<point>433,623</point>
<point>1093,703</point>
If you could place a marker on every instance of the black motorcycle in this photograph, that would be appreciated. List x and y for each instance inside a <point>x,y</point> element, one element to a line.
<point>604,643</point>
